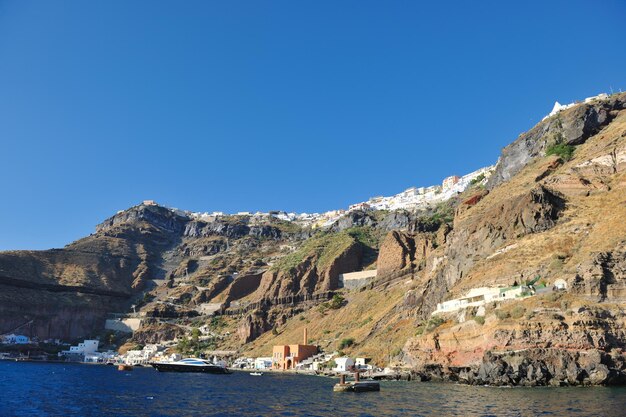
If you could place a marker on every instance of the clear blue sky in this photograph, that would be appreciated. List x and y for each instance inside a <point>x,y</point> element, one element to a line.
<point>262,105</point>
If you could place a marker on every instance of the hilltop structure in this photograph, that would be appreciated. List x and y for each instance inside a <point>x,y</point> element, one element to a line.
<point>413,198</point>
<point>558,107</point>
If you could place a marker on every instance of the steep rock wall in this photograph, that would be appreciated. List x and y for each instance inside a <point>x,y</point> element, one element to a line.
<point>572,126</point>
<point>307,278</point>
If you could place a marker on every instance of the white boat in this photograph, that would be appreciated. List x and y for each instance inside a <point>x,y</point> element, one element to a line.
<point>191,365</point>
<point>256,373</point>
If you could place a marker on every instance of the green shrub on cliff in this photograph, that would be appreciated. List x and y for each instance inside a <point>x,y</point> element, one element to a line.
<point>443,213</point>
<point>501,314</point>
<point>433,323</point>
<point>322,308</point>
<point>366,235</point>
<point>336,302</point>
<point>396,352</point>
<point>565,152</point>
<point>345,343</point>
<point>183,345</point>
<point>324,246</point>
<point>217,322</point>
<point>477,180</point>
<point>428,326</point>
<point>517,312</point>
<point>286,226</point>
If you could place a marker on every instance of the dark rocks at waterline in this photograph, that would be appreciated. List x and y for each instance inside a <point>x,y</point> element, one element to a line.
<point>535,367</point>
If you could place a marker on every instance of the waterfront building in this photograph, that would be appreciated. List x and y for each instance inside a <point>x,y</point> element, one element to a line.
<point>87,346</point>
<point>244,363</point>
<point>78,352</point>
<point>286,357</point>
<point>344,364</point>
<point>140,357</point>
<point>263,363</point>
<point>363,363</point>
<point>100,357</point>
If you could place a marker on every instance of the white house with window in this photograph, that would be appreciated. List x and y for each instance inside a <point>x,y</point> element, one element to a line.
<point>479,296</point>
<point>78,353</point>
<point>100,357</point>
<point>344,364</point>
<point>363,363</point>
<point>263,363</point>
<point>88,346</point>
<point>140,357</point>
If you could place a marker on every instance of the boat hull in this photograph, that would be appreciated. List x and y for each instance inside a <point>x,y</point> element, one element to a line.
<point>362,386</point>
<point>207,369</point>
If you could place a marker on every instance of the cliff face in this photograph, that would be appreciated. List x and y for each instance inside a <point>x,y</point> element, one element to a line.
<point>541,218</point>
<point>170,266</point>
<point>572,126</point>
<point>65,314</point>
<point>554,219</point>
<point>573,345</point>
<point>67,293</point>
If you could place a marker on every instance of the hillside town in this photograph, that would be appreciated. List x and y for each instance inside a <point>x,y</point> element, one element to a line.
<point>413,198</point>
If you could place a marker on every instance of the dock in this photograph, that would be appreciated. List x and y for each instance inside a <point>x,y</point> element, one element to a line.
<point>356,386</point>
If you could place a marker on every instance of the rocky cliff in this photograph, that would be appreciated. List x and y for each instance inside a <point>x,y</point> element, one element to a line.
<point>541,218</point>
<point>544,217</point>
<point>553,210</point>
<point>572,127</point>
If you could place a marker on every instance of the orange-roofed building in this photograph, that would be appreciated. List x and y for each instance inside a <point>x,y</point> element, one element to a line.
<point>288,356</point>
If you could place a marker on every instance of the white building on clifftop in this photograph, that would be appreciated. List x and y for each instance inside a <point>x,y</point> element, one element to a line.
<point>413,198</point>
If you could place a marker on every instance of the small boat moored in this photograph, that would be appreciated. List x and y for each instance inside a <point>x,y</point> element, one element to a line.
<point>191,365</point>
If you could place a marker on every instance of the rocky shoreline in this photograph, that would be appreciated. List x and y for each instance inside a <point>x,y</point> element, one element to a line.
<point>535,367</point>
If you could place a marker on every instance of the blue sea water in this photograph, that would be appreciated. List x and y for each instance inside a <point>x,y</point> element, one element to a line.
<point>48,389</point>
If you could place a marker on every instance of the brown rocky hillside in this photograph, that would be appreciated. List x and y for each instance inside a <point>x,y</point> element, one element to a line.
<point>553,210</point>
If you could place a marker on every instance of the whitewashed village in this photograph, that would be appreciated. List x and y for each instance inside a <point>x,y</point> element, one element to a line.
<point>413,198</point>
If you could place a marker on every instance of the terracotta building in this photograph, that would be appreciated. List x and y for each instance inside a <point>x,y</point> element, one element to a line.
<point>288,356</point>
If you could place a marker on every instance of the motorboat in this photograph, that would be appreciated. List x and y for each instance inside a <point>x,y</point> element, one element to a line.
<point>256,373</point>
<point>191,365</point>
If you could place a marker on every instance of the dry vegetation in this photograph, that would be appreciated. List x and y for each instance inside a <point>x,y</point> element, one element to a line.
<point>368,317</point>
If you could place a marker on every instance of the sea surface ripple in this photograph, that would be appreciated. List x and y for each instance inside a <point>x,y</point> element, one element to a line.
<point>49,389</point>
